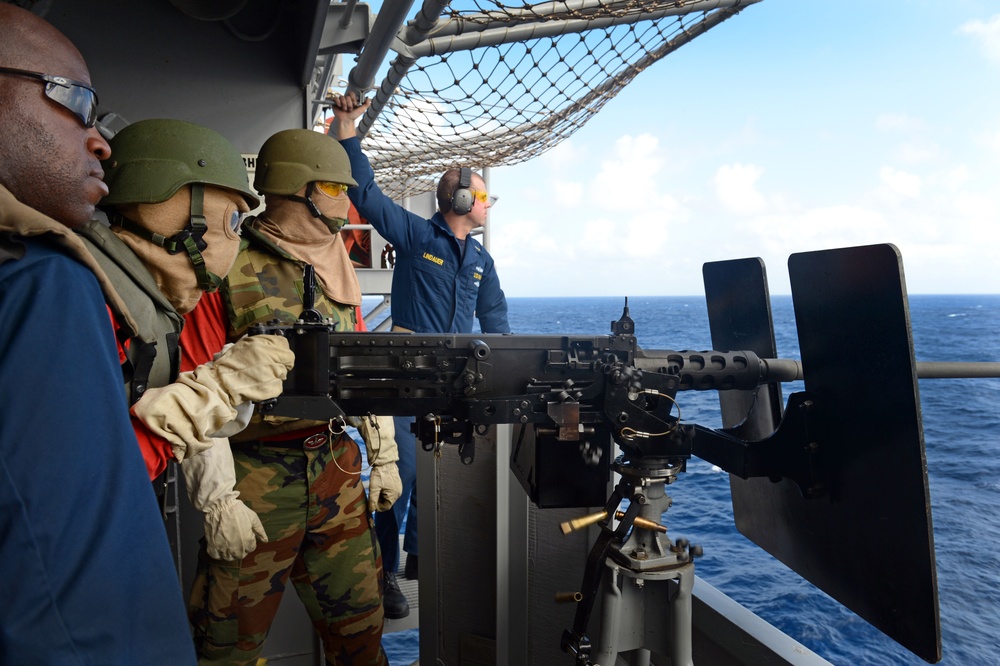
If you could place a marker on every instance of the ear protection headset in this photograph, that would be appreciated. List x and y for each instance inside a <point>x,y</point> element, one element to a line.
<point>463,200</point>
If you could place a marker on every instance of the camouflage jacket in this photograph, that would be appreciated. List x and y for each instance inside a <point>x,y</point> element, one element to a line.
<point>264,284</point>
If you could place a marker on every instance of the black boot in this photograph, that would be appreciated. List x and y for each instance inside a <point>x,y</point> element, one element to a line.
<point>394,602</point>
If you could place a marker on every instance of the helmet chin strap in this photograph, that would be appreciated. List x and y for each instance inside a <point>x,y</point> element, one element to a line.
<point>335,224</point>
<point>189,239</point>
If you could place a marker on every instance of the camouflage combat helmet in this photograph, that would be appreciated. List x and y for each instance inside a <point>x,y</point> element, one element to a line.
<point>152,159</point>
<point>292,158</point>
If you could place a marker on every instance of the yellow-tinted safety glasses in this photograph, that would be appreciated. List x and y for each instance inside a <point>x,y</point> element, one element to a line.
<point>482,196</point>
<point>330,189</point>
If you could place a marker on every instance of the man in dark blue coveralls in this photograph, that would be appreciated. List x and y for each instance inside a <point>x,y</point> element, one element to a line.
<point>443,277</point>
<point>86,575</point>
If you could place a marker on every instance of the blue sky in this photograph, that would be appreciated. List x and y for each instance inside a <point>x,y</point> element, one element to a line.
<point>797,125</point>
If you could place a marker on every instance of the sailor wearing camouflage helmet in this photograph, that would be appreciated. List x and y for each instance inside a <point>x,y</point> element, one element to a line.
<point>301,477</point>
<point>177,192</point>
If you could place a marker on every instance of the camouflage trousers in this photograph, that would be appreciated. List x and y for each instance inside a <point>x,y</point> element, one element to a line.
<point>320,534</point>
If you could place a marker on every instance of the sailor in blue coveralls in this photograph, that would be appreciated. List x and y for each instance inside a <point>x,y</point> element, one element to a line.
<point>443,277</point>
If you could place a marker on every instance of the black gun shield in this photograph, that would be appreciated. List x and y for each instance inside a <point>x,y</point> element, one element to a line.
<point>868,543</point>
<point>739,316</point>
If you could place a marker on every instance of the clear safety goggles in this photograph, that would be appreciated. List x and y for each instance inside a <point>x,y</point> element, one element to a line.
<point>236,220</point>
<point>78,97</point>
<point>330,189</point>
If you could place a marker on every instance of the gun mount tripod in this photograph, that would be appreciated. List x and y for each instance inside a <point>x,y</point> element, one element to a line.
<point>647,580</point>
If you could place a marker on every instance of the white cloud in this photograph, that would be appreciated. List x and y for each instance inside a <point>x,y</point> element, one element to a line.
<point>735,186</point>
<point>774,237</point>
<point>610,240</point>
<point>987,35</point>
<point>819,228</point>
<point>568,193</point>
<point>983,208</point>
<point>597,236</point>
<point>952,178</point>
<point>992,141</point>
<point>900,182</point>
<point>563,155</point>
<point>597,231</point>
<point>898,122</point>
<point>646,235</point>
<point>628,177</point>
<point>915,152</point>
<point>511,250</point>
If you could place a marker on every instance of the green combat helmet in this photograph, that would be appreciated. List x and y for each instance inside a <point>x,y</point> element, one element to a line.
<point>297,158</point>
<point>293,158</point>
<point>152,159</point>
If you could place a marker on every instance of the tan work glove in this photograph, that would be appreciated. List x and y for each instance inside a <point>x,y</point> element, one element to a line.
<point>204,400</point>
<point>384,484</point>
<point>232,530</point>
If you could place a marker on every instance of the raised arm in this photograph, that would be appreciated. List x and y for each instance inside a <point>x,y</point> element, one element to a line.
<point>392,221</point>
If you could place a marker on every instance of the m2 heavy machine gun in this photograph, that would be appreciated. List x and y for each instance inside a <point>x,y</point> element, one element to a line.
<point>834,485</point>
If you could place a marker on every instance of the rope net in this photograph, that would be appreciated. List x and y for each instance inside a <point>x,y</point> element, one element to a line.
<point>555,66</point>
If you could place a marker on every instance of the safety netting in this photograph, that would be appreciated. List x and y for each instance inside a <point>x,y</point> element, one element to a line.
<point>490,84</point>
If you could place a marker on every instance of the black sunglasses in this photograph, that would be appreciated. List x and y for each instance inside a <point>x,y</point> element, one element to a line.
<point>78,97</point>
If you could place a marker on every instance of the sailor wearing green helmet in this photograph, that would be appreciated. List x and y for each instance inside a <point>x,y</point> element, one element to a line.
<point>177,192</point>
<point>159,175</point>
<point>301,477</point>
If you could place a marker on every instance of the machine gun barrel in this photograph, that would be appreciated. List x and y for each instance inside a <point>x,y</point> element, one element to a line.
<point>790,370</point>
<point>717,370</point>
<point>956,369</point>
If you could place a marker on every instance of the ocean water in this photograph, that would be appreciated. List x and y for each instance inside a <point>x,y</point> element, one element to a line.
<point>961,419</point>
